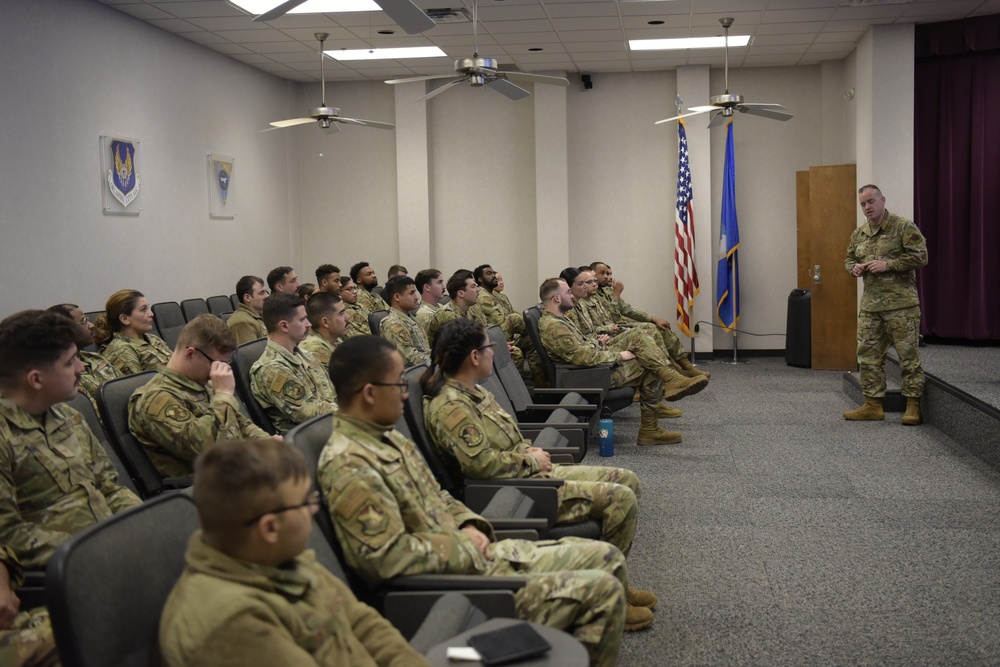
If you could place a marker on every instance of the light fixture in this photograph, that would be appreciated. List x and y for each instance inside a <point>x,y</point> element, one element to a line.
<point>687,43</point>
<point>388,54</point>
<point>257,7</point>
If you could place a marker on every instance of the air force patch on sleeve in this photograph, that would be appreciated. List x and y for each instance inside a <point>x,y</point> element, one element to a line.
<point>372,521</point>
<point>472,436</point>
<point>293,390</point>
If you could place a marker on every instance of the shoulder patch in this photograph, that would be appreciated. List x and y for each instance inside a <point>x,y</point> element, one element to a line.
<point>373,522</point>
<point>454,418</point>
<point>472,436</point>
<point>293,390</point>
<point>177,413</point>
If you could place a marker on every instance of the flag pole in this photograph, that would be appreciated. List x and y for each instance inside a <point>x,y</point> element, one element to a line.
<point>735,285</point>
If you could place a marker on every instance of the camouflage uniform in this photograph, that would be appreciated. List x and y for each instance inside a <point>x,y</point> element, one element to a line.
<point>566,345</point>
<point>424,314</point>
<point>371,301</point>
<point>357,321</point>
<point>445,314</point>
<point>135,355</point>
<point>291,387</point>
<point>620,312</point>
<point>232,612</point>
<point>890,307</point>
<point>470,428</point>
<point>96,371</point>
<point>320,348</point>
<point>393,518</point>
<point>593,317</point>
<point>175,418</point>
<point>404,332</point>
<point>246,325</point>
<point>28,642</point>
<point>55,479</point>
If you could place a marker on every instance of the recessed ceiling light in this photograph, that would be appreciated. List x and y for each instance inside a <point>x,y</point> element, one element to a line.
<point>687,43</point>
<point>655,22</point>
<point>387,54</point>
<point>256,7</point>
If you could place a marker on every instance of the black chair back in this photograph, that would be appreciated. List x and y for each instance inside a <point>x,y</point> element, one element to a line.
<point>192,308</point>
<point>112,401</point>
<point>235,300</point>
<point>506,372</point>
<point>106,587</point>
<point>413,413</point>
<point>93,315</point>
<point>375,320</point>
<point>82,404</point>
<point>531,317</point>
<point>243,361</point>
<point>169,320</point>
<point>220,305</point>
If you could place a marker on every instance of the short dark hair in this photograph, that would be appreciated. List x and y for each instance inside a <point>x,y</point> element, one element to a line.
<point>424,277</point>
<point>397,270</point>
<point>305,291</point>
<point>245,285</point>
<point>356,269</point>
<point>358,361</point>
<point>324,270</point>
<point>32,339</point>
<point>457,282</point>
<point>871,186</point>
<point>278,307</point>
<point>594,265</point>
<point>345,279</point>
<point>63,309</point>
<point>569,274</point>
<point>455,341</point>
<point>277,275</point>
<point>320,305</point>
<point>477,272</point>
<point>548,288</point>
<point>396,285</point>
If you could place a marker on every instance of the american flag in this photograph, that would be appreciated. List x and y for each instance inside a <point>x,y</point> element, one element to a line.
<point>685,273</point>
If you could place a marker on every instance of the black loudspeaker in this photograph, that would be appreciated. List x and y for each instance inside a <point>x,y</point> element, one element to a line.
<point>587,83</point>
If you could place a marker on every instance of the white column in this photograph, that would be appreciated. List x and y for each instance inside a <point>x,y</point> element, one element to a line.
<point>413,176</point>
<point>551,178</point>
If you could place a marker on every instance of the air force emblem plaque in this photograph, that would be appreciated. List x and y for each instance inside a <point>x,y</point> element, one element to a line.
<point>123,179</point>
<point>224,175</point>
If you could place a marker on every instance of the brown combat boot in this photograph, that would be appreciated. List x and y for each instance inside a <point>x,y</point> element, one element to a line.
<point>650,432</point>
<point>636,597</point>
<point>690,370</point>
<point>676,386</point>
<point>664,411</point>
<point>912,416</point>
<point>871,411</point>
<point>637,618</point>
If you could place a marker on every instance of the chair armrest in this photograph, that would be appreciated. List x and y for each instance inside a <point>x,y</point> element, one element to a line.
<point>406,610</point>
<point>453,582</point>
<point>539,525</point>
<point>592,395</point>
<point>520,534</point>
<point>178,482</point>
<point>561,456</point>
<point>584,376</point>
<point>587,409</point>
<point>541,490</point>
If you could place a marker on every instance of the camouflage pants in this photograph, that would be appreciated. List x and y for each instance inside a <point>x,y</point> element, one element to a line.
<point>665,339</point>
<point>643,371</point>
<point>607,495</point>
<point>876,330</point>
<point>574,585</point>
<point>513,328</point>
<point>29,641</point>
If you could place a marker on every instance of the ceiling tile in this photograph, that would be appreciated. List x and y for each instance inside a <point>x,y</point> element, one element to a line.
<point>597,56</point>
<point>642,8</point>
<point>144,11</point>
<point>609,66</point>
<point>202,8</point>
<point>769,61</point>
<point>838,37</point>
<point>550,48</point>
<point>501,27</point>
<point>252,58</point>
<point>308,35</point>
<point>600,23</point>
<point>772,40</point>
<point>612,46</point>
<point>580,9</point>
<point>592,36</point>
<point>787,28</point>
<point>524,38</point>
<point>797,15</point>
<point>774,50</point>
<point>744,21</point>
<point>286,46</point>
<point>204,37</point>
<point>173,25</point>
<point>230,23</point>
<point>511,12</point>
<point>230,49</point>
<point>869,12</point>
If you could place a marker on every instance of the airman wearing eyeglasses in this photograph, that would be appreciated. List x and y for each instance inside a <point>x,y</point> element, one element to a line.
<point>191,403</point>
<point>251,593</point>
<point>357,323</point>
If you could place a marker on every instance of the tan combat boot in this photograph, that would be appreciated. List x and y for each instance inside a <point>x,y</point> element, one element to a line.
<point>690,370</point>
<point>676,386</point>
<point>871,411</point>
<point>912,416</point>
<point>637,618</point>
<point>636,597</point>
<point>650,432</point>
<point>665,411</point>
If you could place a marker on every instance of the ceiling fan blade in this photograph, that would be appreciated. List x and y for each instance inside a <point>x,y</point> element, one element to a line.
<point>333,129</point>
<point>276,12</point>
<point>691,112</point>
<point>407,15</point>
<point>440,89</point>
<point>716,120</point>
<point>508,88</point>
<point>366,123</point>
<point>429,77</point>
<point>525,77</point>
<point>772,111</point>
<point>289,123</point>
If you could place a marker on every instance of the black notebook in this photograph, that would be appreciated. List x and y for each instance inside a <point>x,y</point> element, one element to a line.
<point>510,644</point>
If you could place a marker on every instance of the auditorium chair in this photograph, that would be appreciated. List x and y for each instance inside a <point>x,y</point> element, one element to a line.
<point>192,308</point>
<point>375,320</point>
<point>82,404</point>
<point>243,360</point>
<point>168,318</point>
<point>235,300</point>
<point>219,305</point>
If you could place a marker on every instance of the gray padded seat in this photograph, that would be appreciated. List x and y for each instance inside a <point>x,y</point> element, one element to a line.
<point>243,360</point>
<point>219,305</point>
<point>375,320</point>
<point>192,308</point>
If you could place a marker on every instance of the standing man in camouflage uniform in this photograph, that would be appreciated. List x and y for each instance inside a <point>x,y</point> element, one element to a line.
<point>55,477</point>
<point>283,280</point>
<point>364,277</point>
<point>178,413</point>
<point>26,638</point>
<point>287,381</point>
<point>246,323</point>
<point>430,285</point>
<point>399,328</point>
<point>328,278</point>
<point>635,358</point>
<point>357,317</point>
<point>329,320</point>
<point>392,518</point>
<point>463,293</point>
<point>96,369</point>
<point>885,253</point>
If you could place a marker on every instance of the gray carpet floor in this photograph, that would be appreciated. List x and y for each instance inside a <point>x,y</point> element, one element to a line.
<point>780,534</point>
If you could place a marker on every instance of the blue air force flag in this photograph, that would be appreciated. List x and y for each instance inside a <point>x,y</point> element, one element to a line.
<point>223,170</point>
<point>123,179</point>
<point>728,275</point>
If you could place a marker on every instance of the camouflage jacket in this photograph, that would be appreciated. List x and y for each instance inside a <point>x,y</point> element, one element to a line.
<point>620,308</point>
<point>445,314</point>
<point>9,560</point>
<point>469,427</point>
<point>902,246</point>
<point>391,516</point>
<point>566,345</point>
<point>96,371</point>
<point>55,479</point>
<point>135,355</point>
<point>370,301</point>
<point>320,348</point>
<point>291,387</point>
<point>404,332</point>
<point>491,308</point>
<point>357,321</point>
<point>233,612</point>
<point>590,316</point>
<point>424,314</point>
<point>175,418</point>
<point>246,325</point>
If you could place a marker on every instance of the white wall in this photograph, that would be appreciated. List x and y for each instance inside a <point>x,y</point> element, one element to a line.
<point>73,71</point>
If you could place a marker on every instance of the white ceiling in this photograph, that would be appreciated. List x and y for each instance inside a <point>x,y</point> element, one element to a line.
<point>575,36</point>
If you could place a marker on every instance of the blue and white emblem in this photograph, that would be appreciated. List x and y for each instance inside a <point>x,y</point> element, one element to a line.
<point>224,176</point>
<point>123,179</point>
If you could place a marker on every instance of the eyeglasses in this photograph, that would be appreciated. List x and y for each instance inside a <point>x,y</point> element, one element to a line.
<point>488,346</point>
<point>353,288</point>
<point>312,501</point>
<point>210,359</point>
<point>402,386</point>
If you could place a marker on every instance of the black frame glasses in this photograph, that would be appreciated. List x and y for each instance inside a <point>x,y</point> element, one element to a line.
<point>488,346</point>
<point>314,499</point>
<point>210,359</point>
<point>402,386</point>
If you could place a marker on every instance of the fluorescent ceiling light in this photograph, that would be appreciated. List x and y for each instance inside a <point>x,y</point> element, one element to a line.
<point>687,43</point>
<point>257,7</point>
<point>387,54</point>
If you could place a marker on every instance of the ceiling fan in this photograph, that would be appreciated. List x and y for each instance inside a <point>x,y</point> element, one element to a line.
<point>407,15</point>
<point>329,118</point>
<point>480,71</point>
<point>727,103</point>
